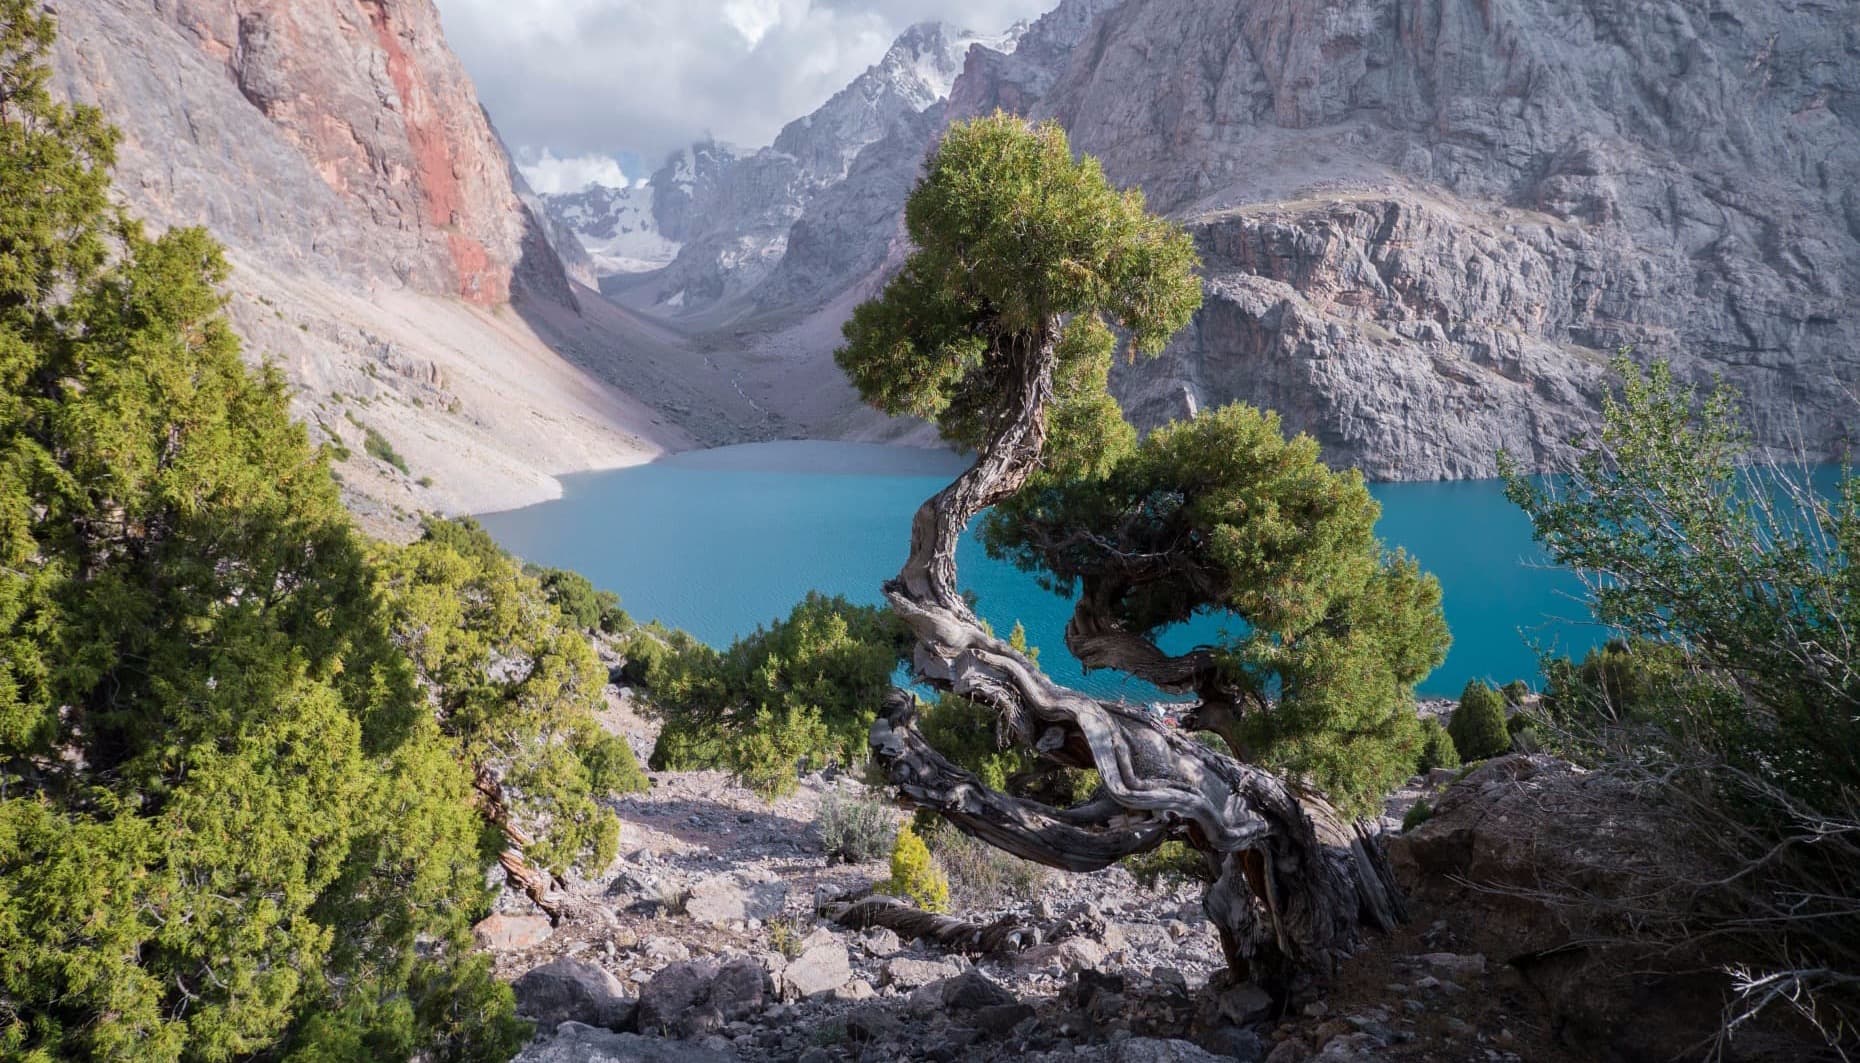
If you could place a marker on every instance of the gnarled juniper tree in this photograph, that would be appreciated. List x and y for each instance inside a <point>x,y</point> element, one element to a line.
<point>1001,329</point>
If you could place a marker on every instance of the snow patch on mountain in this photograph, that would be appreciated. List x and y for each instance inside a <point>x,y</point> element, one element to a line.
<point>616,226</point>
<point>715,218</point>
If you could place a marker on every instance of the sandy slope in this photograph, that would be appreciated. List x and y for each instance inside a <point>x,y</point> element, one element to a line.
<point>483,410</point>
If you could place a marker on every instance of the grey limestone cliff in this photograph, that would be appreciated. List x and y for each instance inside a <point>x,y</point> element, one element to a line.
<point>1428,225</point>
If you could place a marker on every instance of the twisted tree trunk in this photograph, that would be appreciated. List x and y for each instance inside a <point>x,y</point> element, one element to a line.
<point>1293,881</point>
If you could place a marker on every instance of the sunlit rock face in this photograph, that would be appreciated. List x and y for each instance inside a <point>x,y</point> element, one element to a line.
<point>344,138</point>
<point>1426,225</point>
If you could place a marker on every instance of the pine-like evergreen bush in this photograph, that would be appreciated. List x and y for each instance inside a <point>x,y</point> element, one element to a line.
<point>1437,748</point>
<point>1478,726</point>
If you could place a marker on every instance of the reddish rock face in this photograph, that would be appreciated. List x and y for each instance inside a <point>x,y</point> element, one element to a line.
<point>362,96</point>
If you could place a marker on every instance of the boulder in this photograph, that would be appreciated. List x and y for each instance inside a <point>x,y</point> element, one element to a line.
<point>507,933</point>
<point>737,897</point>
<point>820,969</point>
<point>905,972</point>
<point>573,1042</point>
<point>699,996</point>
<point>568,990</point>
<point>972,991</point>
<point>999,1020</point>
<point>1240,1005</point>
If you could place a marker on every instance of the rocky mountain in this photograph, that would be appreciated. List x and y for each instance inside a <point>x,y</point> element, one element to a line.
<point>384,252</point>
<point>714,220</point>
<point>1427,225</point>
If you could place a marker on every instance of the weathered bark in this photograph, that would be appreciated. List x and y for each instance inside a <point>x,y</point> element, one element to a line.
<point>1007,934</point>
<point>543,889</point>
<point>1294,883</point>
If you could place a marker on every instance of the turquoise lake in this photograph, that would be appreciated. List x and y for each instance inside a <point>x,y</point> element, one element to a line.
<point>720,541</point>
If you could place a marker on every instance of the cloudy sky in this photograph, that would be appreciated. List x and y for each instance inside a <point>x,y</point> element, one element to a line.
<point>604,90</point>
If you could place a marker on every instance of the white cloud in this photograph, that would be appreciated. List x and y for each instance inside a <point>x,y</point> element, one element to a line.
<point>640,78</point>
<point>550,175</point>
<point>752,18</point>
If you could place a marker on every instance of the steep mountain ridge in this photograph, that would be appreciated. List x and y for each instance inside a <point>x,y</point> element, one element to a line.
<point>1427,225</point>
<point>714,220</point>
<point>384,254</point>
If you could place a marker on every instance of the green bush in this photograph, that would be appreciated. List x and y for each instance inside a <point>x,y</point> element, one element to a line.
<point>585,606</point>
<point>1733,698</point>
<point>1627,681</point>
<point>377,446</point>
<point>233,822</point>
<point>1437,748</point>
<point>802,692</point>
<point>515,685</point>
<point>1168,862</point>
<point>1420,812</point>
<point>1478,726</point>
<point>855,828</point>
<point>914,875</point>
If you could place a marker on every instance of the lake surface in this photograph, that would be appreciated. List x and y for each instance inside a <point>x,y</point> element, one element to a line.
<point>720,541</point>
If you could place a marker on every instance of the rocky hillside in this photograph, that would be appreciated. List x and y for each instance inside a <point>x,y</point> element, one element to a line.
<point>1428,224</point>
<point>709,941</point>
<point>384,253</point>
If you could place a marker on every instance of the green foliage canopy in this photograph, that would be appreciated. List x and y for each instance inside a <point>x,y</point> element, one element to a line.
<point>805,688</point>
<point>1736,586</point>
<point>1020,248</point>
<point>224,822</point>
<point>514,685</point>
<point>233,823</point>
<point>1027,258</point>
<point>1223,513</point>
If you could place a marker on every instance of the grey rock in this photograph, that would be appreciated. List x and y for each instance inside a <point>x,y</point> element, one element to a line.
<point>736,897</point>
<point>665,948</point>
<point>573,1042</point>
<point>1234,1043</point>
<point>972,990</point>
<point>908,973</point>
<point>1243,1005</point>
<point>880,941</point>
<point>566,990</point>
<point>871,1023</point>
<point>672,993</point>
<point>999,1020</point>
<point>1159,1050</point>
<point>741,988</point>
<point>699,996</point>
<point>820,969</point>
<point>1351,1048</point>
